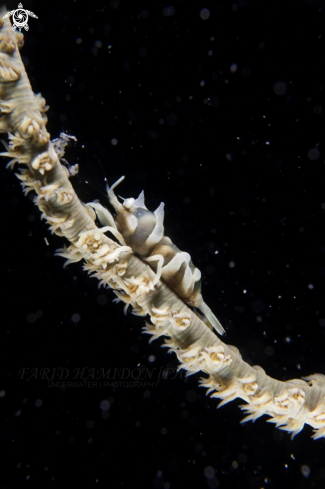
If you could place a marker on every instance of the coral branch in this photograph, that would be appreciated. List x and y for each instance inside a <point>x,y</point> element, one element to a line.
<point>290,404</point>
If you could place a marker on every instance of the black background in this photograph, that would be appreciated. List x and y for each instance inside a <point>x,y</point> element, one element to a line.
<point>223,120</point>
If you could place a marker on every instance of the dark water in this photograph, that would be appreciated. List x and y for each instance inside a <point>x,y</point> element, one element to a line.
<point>217,110</point>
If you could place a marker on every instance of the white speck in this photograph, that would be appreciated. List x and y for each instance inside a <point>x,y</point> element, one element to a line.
<point>104,405</point>
<point>205,13</point>
<point>280,88</point>
<point>75,318</point>
<point>313,154</point>
<point>305,470</point>
<point>233,67</point>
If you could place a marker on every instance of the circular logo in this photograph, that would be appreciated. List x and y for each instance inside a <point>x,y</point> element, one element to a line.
<point>20,19</point>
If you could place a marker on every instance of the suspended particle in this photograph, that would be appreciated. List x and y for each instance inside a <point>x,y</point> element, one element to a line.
<point>233,67</point>
<point>205,13</point>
